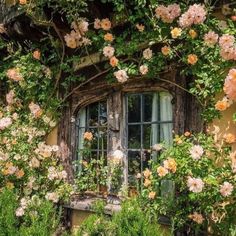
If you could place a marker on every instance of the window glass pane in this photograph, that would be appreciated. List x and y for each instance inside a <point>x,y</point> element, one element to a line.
<point>102,135</point>
<point>93,114</point>
<point>103,114</point>
<point>146,155</point>
<point>134,163</point>
<point>134,139</point>
<point>147,136</point>
<point>95,141</point>
<point>147,110</point>
<point>134,105</point>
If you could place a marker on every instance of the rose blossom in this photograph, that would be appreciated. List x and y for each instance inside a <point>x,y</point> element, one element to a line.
<point>121,76</point>
<point>170,164</point>
<point>147,182</point>
<point>37,54</point>
<point>195,184</point>
<point>105,24</point>
<point>226,41</point>
<point>196,152</point>
<point>211,38</point>
<point>162,171</point>
<point>176,32</point>
<point>34,163</point>
<point>165,50</point>
<point>83,26</point>
<point>169,13</point>
<point>20,212</point>
<point>229,138</point>
<point>147,54</point>
<point>226,189</point>
<point>53,196</point>
<point>192,33</point>
<point>97,24</point>
<point>5,122</point>
<point>35,109</point>
<point>147,173</point>
<point>88,136</point>
<point>196,14</point>
<point>151,195</point>
<point>108,51</point>
<point>157,147</point>
<point>143,69</point>
<point>198,218</point>
<point>108,37</point>
<point>192,59</point>
<point>114,61</point>
<point>10,97</point>
<point>14,74</point>
<point>222,105</point>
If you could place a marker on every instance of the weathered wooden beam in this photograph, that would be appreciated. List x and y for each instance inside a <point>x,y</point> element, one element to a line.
<point>98,57</point>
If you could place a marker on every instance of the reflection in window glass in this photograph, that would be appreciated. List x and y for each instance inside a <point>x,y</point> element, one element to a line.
<point>148,121</point>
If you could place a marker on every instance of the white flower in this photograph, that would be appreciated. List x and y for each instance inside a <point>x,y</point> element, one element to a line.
<point>24,203</point>
<point>147,54</point>
<point>196,152</point>
<point>5,122</point>
<point>108,51</point>
<point>62,174</point>
<point>55,148</point>
<point>117,156</point>
<point>20,212</point>
<point>157,147</point>
<point>52,197</point>
<point>121,76</point>
<point>195,184</point>
<point>143,69</point>
<point>226,189</point>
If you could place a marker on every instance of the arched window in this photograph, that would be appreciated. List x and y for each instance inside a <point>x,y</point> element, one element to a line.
<point>92,118</point>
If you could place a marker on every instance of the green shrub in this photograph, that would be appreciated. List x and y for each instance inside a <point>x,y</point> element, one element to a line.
<point>41,218</point>
<point>8,220</point>
<point>130,221</point>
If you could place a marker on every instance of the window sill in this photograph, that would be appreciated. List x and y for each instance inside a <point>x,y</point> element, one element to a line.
<point>86,204</point>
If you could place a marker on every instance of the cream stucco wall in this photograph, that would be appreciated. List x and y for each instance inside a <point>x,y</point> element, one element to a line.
<point>52,137</point>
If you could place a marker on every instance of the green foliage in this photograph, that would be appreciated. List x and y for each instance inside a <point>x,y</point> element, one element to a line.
<point>8,220</point>
<point>41,217</point>
<point>130,221</point>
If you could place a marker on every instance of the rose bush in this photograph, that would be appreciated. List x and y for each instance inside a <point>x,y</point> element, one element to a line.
<point>193,183</point>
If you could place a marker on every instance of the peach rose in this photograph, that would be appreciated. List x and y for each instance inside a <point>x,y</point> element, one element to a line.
<point>151,195</point>
<point>105,24</point>
<point>229,138</point>
<point>37,54</point>
<point>162,171</point>
<point>147,182</point>
<point>108,37</point>
<point>176,32</point>
<point>114,61</point>
<point>165,50</point>
<point>192,59</point>
<point>221,105</point>
<point>192,33</point>
<point>23,2</point>
<point>88,136</point>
